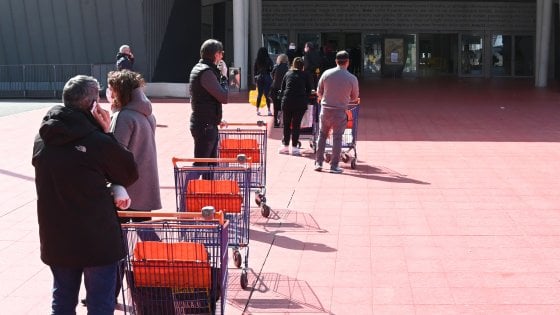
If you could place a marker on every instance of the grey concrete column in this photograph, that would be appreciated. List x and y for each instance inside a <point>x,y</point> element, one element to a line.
<point>240,39</point>
<point>255,31</point>
<point>543,38</point>
<point>538,33</point>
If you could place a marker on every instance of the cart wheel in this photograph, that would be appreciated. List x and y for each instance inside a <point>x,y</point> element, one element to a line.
<point>237,258</point>
<point>327,157</point>
<point>265,210</point>
<point>299,144</point>
<point>353,163</point>
<point>312,144</point>
<point>244,281</point>
<point>345,157</point>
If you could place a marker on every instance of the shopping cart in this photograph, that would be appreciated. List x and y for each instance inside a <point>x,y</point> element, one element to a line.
<point>226,188</point>
<point>248,139</point>
<point>349,138</point>
<point>181,270</point>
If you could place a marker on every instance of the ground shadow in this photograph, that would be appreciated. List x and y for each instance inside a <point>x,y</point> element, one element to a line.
<point>273,292</point>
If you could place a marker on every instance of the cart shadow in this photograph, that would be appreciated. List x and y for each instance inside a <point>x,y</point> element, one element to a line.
<point>383,174</point>
<point>275,238</point>
<point>274,293</point>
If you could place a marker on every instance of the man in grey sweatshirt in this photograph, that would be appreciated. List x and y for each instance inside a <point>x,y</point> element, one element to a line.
<point>337,87</point>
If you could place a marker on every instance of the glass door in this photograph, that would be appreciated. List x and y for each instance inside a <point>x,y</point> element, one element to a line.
<point>472,56</point>
<point>524,55</point>
<point>372,54</point>
<point>501,55</point>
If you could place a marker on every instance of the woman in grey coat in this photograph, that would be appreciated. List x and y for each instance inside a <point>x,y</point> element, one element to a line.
<point>133,125</point>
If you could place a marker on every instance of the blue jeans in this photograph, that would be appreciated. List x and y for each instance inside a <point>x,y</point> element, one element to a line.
<point>100,289</point>
<point>336,120</point>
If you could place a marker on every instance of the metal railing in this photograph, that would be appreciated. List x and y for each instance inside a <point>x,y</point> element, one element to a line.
<point>45,80</point>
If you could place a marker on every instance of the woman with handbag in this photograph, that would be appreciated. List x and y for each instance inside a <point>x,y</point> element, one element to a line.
<point>295,90</point>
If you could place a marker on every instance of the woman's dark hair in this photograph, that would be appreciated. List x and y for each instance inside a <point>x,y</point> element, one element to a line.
<point>122,83</point>
<point>209,48</point>
<point>263,58</point>
<point>297,63</point>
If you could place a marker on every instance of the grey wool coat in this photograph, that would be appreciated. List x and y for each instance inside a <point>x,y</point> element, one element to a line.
<point>134,126</point>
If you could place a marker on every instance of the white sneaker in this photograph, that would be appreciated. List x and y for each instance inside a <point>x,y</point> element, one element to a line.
<point>295,151</point>
<point>284,149</point>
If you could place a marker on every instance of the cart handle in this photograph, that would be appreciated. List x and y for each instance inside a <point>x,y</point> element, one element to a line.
<point>218,215</point>
<point>241,158</point>
<point>259,123</point>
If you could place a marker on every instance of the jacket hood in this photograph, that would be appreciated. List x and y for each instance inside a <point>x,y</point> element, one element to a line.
<point>139,102</point>
<point>63,125</point>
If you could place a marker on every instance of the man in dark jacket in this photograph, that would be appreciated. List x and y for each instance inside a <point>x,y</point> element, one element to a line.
<point>208,93</point>
<point>125,58</point>
<point>74,159</point>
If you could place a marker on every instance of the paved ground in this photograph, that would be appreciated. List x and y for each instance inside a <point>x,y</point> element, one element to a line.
<point>453,209</point>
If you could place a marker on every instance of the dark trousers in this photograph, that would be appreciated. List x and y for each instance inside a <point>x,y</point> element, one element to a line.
<point>205,142</point>
<point>292,125</point>
<point>277,105</point>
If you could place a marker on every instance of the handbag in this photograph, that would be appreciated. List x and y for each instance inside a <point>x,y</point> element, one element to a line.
<point>307,120</point>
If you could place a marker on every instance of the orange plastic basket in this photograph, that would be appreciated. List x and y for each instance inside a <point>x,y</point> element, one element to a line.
<point>223,195</point>
<point>171,265</point>
<point>230,148</point>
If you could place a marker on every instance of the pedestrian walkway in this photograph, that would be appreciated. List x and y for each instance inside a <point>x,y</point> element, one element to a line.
<point>453,208</point>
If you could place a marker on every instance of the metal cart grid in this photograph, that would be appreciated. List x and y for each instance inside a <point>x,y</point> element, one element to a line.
<point>163,277</point>
<point>249,139</point>
<point>233,203</point>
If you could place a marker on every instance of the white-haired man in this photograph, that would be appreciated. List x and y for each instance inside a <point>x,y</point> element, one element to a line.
<point>125,58</point>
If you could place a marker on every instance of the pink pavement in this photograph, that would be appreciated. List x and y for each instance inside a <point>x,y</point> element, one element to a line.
<point>453,208</point>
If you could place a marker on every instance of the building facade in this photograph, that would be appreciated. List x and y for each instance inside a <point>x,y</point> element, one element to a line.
<point>508,38</point>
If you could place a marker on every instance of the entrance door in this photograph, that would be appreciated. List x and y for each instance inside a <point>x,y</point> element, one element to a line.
<point>437,54</point>
<point>372,55</point>
<point>472,56</point>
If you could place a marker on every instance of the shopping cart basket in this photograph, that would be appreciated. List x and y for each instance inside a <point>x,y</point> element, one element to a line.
<point>349,138</point>
<point>248,139</point>
<point>227,189</point>
<point>183,271</point>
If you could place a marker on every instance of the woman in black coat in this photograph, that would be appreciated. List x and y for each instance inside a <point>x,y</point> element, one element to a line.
<point>296,89</point>
<point>263,79</point>
<point>278,72</point>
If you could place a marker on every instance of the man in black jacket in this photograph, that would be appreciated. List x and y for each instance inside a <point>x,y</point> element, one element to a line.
<point>74,159</point>
<point>208,93</point>
<point>125,58</point>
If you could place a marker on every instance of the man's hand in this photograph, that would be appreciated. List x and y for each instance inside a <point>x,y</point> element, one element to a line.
<point>103,118</point>
<point>223,124</point>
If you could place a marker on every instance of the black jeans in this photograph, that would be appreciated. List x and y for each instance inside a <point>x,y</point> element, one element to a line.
<point>292,125</point>
<point>205,142</point>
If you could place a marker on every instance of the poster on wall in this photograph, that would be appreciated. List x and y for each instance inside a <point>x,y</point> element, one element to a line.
<point>394,51</point>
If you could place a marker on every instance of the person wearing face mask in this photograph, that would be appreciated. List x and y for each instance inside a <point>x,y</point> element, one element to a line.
<point>208,91</point>
<point>125,58</point>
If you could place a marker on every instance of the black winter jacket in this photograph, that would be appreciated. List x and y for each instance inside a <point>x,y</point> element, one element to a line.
<point>74,159</point>
<point>296,89</point>
<point>206,109</point>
